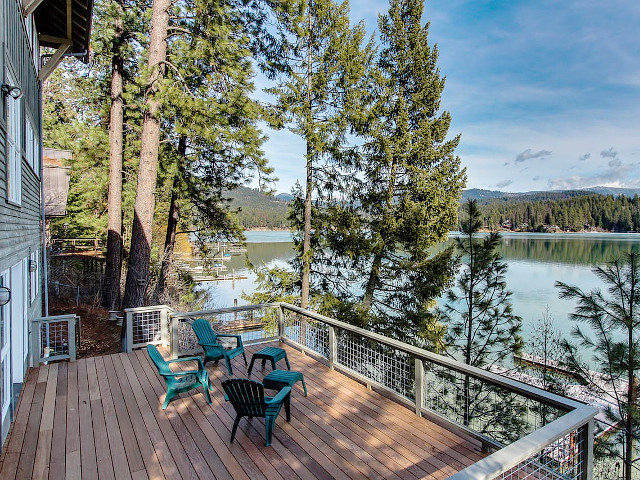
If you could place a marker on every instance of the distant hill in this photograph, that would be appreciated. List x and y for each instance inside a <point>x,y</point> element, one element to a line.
<point>258,210</point>
<point>487,196</point>
<point>270,211</point>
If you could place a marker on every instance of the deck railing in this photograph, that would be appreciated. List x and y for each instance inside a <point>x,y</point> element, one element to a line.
<point>54,338</point>
<point>532,433</point>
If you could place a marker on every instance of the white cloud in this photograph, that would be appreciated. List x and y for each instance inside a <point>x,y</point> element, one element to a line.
<point>613,177</point>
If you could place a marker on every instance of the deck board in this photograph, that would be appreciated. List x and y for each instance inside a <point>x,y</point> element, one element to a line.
<point>102,418</point>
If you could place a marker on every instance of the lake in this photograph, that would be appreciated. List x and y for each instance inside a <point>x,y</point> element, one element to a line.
<point>535,262</point>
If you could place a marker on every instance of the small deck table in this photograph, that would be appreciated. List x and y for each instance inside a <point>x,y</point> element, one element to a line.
<point>272,354</point>
<point>279,379</point>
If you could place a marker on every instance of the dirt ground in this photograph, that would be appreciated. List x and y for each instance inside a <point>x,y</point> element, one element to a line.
<point>98,336</point>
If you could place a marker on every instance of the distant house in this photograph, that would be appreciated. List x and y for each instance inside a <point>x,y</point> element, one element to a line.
<point>25,26</point>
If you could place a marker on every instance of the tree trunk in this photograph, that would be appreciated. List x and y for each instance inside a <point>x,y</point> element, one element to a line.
<point>306,245</point>
<point>172,227</point>
<point>139,254</point>
<point>113,264</point>
<point>374,274</point>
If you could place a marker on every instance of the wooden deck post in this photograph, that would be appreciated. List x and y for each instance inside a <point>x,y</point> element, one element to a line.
<point>586,450</point>
<point>280,323</point>
<point>174,344</point>
<point>164,326</point>
<point>35,343</point>
<point>419,384</point>
<point>129,332</point>
<point>333,350</point>
<point>71,332</point>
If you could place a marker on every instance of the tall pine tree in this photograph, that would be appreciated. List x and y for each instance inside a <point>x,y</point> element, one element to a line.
<point>318,88</point>
<point>395,197</point>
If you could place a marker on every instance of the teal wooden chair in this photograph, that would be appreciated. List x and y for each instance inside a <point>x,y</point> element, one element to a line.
<point>248,400</point>
<point>213,350</point>
<point>182,381</point>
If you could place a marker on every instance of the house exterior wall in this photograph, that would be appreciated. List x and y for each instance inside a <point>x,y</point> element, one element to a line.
<point>20,230</point>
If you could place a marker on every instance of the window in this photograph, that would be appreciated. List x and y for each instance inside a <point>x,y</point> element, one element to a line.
<point>31,147</point>
<point>14,145</point>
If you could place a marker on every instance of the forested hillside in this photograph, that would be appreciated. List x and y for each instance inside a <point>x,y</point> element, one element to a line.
<point>573,210</point>
<point>257,210</point>
<point>580,211</point>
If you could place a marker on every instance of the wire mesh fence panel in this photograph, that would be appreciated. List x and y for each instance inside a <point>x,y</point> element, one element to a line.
<point>493,411</point>
<point>147,327</point>
<point>253,325</point>
<point>54,339</point>
<point>562,460</point>
<point>380,363</point>
<point>307,332</point>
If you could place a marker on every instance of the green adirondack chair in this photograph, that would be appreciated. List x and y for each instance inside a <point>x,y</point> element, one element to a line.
<point>213,350</point>
<point>183,381</point>
<point>248,400</point>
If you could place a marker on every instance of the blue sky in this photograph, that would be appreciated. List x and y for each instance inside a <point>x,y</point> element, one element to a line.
<point>546,94</point>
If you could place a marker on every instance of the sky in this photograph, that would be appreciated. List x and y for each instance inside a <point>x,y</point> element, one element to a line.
<point>545,93</point>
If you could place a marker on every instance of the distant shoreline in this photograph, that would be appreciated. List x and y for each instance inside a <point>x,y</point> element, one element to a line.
<point>559,232</point>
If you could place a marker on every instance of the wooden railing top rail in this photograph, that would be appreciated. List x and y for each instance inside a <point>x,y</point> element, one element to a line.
<point>55,318</point>
<point>524,389</point>
<point>521,450</point>
<point>150,308</point>
<point>218,311</point>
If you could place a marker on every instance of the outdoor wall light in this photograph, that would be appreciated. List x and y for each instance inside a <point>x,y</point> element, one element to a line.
<point>5,295</point>
<point>33,266</point>
<point>15,92</point>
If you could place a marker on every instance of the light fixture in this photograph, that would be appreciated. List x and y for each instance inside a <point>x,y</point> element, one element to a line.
<point>33,265</point>
<point>15,92</point>
<point>5,295</point>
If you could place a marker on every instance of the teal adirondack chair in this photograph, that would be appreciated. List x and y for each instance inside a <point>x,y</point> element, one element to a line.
<point>248,400</point>
<point>183,381</point>
<point>213,351</point>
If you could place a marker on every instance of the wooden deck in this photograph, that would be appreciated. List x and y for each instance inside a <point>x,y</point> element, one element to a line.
<point>101,418</point>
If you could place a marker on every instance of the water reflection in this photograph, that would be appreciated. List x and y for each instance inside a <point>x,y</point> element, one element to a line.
<point>535,262</point>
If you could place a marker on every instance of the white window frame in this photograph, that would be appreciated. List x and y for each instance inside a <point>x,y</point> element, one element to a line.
<point>5,351</point>
<point>14,145</point>
<point>31,146</point>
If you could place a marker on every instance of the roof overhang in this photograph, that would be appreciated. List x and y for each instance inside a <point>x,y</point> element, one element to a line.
<point>64,25</point>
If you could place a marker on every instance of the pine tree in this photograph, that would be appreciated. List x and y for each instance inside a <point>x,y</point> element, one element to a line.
<point>211,120</point>
<point>385,206</point>
<point>317,89</point>
<point>482,328</point>
<point>614,319</point>
<point>141,232</point>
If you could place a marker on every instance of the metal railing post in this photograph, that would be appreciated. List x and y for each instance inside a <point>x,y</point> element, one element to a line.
<point>419,384</point>
<point>129,331</point>
<point>333,348</point>
<point>71,331</point>
<point>174,345</point>
<point>586,452</point>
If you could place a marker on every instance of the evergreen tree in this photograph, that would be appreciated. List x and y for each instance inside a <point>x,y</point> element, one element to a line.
<point>614,319</point>
<point>385,206</point>
<point>317,90</point>
<point>211,121</point>
<point>482,328</point>
<point>141,231</point>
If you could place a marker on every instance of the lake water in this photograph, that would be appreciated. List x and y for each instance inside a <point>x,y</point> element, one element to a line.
<point>535,262</point>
